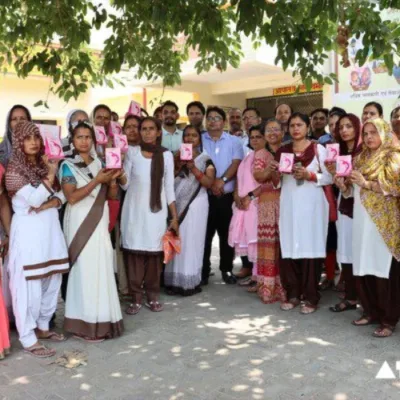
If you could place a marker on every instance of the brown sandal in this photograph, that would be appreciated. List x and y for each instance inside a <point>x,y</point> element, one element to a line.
<point>368,321</point>
<point>383,331</point>
<point>154,306</point>
<point>40,351</point>
<point>290,304</point>
<point>133,309</point>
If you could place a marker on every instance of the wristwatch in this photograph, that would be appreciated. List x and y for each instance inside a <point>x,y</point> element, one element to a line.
<point>225,179</point>
<point>251,195</point>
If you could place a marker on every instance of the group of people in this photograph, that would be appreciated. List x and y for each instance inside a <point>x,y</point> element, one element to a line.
<point>98,234</point>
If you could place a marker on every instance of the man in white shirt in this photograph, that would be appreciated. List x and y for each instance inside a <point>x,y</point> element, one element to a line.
<point>171,135</point>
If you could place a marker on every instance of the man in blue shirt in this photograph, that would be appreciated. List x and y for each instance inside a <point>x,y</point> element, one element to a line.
<point>226,152</point>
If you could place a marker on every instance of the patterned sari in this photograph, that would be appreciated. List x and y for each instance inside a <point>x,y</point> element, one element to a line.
<point>269,285</point>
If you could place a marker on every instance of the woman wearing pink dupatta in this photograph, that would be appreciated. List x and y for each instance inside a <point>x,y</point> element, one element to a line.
<point>4,325</point>
<point>243,227</point>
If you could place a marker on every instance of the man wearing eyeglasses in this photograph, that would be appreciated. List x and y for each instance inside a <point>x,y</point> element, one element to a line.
<point>226,152</point>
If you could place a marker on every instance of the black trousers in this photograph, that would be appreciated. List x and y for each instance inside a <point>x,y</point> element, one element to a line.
<point>219,218</point>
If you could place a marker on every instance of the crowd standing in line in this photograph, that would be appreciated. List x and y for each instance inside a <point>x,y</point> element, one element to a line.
<point>98,235</point>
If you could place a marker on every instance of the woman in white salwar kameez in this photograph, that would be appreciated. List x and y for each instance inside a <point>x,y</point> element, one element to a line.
<point>92,310</point>
<point>376,229</point>
<point>150,194</point>
<point>38,253</point>
<point>303,217</point>
<point>192,179</point>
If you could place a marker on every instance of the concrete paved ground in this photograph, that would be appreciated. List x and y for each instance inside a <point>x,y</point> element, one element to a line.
<point>221,344</point>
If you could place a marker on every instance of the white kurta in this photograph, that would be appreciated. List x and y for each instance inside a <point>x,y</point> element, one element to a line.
<point>38,254</point>
<point>344,226</point>
<point>142,229</point>
<point>304,213</point>
<point>92,306</point>
<point>371,256</point>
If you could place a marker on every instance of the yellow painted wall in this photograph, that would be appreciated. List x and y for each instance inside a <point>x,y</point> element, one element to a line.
<point>27,92</point>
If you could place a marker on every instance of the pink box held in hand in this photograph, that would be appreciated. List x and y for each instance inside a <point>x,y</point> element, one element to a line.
<point>344,166</point>
<point>114,129</point>
<point>134,109</point>
<point>113,158</point>
<point>49,131</point>
<point>332,151</point>
<point>186,151</point>
<point>53,148</point>
<point>101,137</point>
<point>286,163</point>
<point>121,141</point>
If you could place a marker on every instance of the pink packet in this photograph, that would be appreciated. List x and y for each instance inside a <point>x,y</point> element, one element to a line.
<point>344,166</point>
<point>121,141</point>
<point>186,151</point>
<point>114,129</point>
<point>101,137</point>
<point>286,163</point>
<point>332,151</point>
<point>113,158</point>
<point>53,148</point>
<point>134,109</point>
<point>49,131</point>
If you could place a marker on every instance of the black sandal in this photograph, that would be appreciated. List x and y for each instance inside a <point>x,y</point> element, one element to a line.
<point>338,307</point>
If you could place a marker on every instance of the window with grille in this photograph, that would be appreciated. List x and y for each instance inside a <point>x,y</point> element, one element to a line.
<point>304,103</point>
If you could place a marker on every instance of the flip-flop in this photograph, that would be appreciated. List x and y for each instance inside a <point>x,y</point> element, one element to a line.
<point>89,340</point>
<point>33,351</point>
<point>53,337</point>
<point>369,321</point>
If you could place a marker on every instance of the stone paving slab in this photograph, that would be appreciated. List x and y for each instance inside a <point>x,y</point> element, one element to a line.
<point>222,344</point>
